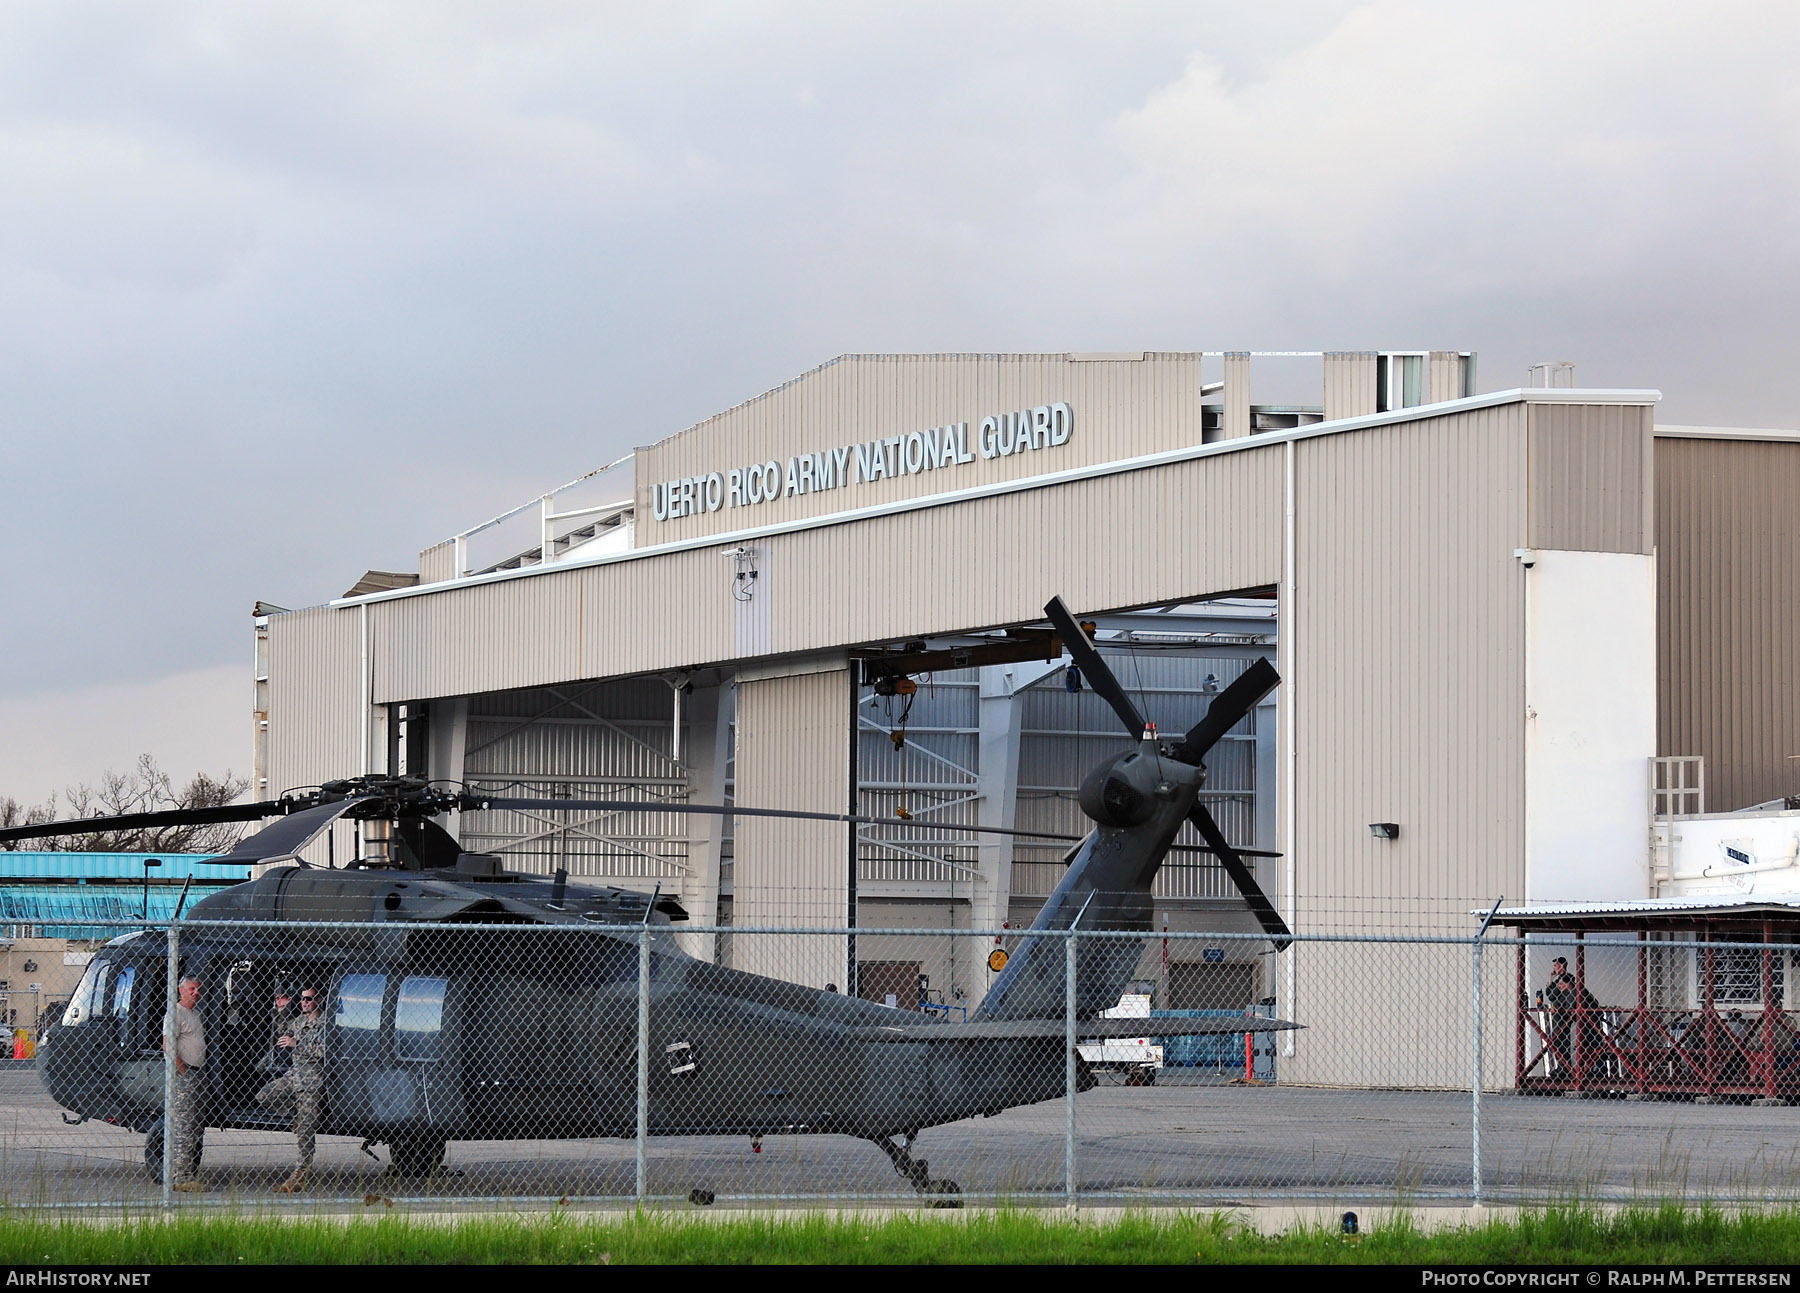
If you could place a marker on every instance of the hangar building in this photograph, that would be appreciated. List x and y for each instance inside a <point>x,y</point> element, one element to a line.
<point>1492,614</point>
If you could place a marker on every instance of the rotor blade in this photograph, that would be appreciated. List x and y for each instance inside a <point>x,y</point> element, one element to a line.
<point>1243,853</point>
<point>482,802</point>
<point>479,801</point>
<point>289,835</point>
<point>1227,711</point>
<point>996,1030</point>
<point>132,821</point>
<point>1093,668</point>
<point>714,810</point>
<point>1233,862</point>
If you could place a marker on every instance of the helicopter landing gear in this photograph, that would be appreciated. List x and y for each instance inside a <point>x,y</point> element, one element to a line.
<point>153,1149</point>
<point>415,1156</point>
<point>917,1172</point>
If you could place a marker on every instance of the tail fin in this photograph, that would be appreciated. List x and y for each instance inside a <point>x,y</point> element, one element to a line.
<point>1106,890</point>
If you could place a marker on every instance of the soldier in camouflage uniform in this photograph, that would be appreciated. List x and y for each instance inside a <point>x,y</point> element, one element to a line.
<point>184,1044</point>
<point>301,1086</point>
<point>281,1015</point>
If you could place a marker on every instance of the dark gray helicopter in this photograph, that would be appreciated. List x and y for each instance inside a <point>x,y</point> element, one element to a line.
<point>438,1033</point>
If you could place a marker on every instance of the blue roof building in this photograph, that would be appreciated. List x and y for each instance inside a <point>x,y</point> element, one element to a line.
<point>99,895</point>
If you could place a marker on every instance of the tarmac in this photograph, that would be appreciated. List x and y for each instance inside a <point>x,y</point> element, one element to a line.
<point>1279,1155</point>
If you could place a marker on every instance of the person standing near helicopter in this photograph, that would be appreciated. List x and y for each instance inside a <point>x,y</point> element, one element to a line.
<point>301,1086</point>
<point>184,1045</point>
<point>278,1061</point>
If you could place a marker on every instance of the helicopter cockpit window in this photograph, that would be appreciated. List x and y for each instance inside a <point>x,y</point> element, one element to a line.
<point>121,1006</point>
<point>90,994</point>
<point>239,995</point>
<point>419,1018</point>
<point>359,1003</point>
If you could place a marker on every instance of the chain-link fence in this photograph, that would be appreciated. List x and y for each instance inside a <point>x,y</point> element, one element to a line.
<point>517,1061</point>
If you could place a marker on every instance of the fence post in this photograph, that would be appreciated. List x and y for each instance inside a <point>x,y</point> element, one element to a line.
<point>1475,1053</point>
<point>643,1056</point>
<point>1069,1068</point>
<point>171,995</point>
<point>1475,1074</point>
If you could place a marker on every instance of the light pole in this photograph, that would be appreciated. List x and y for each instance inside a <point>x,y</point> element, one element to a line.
<point>148,863</point>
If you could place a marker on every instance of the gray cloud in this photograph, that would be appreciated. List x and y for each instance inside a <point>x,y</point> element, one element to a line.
<point>293,291</point>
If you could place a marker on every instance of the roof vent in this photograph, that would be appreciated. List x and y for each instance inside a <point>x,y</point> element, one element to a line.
<point>1553,372</point>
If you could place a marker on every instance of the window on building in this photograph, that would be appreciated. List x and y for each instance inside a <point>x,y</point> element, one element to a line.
<point>1738,975</point>
<point>1400,382</point>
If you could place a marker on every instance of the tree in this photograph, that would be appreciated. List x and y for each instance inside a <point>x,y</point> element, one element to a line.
<point>145,789</point>
<point>13,813</point>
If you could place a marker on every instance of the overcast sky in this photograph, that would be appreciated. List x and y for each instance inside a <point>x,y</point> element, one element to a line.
<point>291,291</point>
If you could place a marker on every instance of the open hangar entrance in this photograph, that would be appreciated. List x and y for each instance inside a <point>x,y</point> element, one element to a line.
<point>1005,743</point>
<point>989,728</point>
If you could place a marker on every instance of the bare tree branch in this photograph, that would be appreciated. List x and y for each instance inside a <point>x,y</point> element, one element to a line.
<point>145,789</point>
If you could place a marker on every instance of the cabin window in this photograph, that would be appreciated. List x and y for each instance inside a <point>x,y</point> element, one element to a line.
<point>122,992</point>
<point>90,994</point>
<point>419,1018</point>
<point>241,1000</point>
<point>359,1003</point>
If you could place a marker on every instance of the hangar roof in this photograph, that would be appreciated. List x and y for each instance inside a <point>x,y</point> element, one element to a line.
<point>1188,453</point>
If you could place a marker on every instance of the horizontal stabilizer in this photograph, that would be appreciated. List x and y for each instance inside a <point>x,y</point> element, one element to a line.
<point>999,1030</point>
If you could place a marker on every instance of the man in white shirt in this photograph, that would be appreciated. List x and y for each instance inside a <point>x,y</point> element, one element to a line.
<point>187,1109</point>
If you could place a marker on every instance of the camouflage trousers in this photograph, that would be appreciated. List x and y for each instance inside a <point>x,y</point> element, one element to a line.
<point>280,1094</point>
<point>187,1119</point>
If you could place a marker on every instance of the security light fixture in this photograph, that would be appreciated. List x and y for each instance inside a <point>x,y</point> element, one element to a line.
<point>1385,830</point>
<point>148,863</point>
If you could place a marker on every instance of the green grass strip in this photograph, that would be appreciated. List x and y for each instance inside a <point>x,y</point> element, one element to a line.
<point>1663,1235</point>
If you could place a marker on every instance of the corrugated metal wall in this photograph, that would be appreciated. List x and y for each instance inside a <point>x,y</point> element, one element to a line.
<point>1728,613</point>
<point>438,562</point>
<point>1122,407</point>
<point>582,741</point>
<point>316,713</point>
<point>793,751</point>
<point>1444,377</point>
<point>507,635</point>
<point>1590,469</point>
<point>1236,411</point>
<point>1407,636</point>
<point>1186,530</point>
<point>1210,525</point>
<point>1350,383</point>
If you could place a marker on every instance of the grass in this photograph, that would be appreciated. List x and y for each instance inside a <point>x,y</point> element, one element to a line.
<point>1664,1235</point>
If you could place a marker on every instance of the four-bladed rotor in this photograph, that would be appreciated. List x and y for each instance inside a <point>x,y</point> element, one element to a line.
<point>1228,709</point>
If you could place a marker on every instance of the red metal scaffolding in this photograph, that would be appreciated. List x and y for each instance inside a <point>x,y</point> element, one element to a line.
<point>1730,1049</point>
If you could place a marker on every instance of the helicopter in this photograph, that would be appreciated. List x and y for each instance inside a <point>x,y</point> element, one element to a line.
<point>527,1027</point>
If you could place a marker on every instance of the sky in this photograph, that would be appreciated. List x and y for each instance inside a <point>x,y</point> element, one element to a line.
<point>290,291</point>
